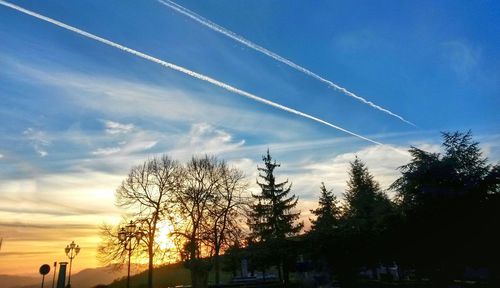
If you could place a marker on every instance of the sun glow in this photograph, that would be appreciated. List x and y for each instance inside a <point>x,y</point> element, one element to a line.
<point>167,252</point>
<point>163,236</point>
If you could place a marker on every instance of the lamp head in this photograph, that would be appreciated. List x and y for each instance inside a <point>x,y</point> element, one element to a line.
<point>138,235</point>
<point>122,234</point>
<point>77,249</point>
<point>130,227</point>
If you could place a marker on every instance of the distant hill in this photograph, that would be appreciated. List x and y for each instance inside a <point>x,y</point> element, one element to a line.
<point>103,275</point>
<point>86,278</point>
<point>11,281</point>
<point>163,276</point>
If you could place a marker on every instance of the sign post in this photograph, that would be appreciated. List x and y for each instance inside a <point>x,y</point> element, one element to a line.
<point>44,270</point>
<point>54,277</point>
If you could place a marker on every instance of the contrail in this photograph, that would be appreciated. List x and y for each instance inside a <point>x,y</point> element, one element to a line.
<point>204,21</point>
<point>182,69</point>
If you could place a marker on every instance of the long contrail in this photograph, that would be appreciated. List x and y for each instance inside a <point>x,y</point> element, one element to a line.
<point>204,21</point>
<point>182,69</point>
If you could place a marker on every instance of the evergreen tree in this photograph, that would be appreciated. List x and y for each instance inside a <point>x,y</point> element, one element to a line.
<point>327,212</point>
<point>460,171</point>
<point>272,219</point>
<point>322,236</point>
<point>363,223</point>
<point>449,201</point>
<point>366,204</point>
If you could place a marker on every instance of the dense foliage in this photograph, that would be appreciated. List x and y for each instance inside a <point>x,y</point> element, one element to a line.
<point>438,225</point>
<point>449,204</point>
<point>272,220</point>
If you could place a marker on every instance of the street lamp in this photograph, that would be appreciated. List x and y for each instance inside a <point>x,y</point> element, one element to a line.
<point>71,251</point>
<point>126,236</point>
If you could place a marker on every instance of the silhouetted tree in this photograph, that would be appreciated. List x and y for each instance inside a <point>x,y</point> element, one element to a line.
<point>111,250</point>
<point>366,211</point>
<point>364,199</point>
<point>327,213</point>
<point>323,229</point>
<point>225,211</point>
<point>272,218</point>
<point>450,204</point>
<point>147,193</point>
<point>208,203</point>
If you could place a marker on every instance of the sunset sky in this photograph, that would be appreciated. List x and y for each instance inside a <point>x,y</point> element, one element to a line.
<point>77,113</point>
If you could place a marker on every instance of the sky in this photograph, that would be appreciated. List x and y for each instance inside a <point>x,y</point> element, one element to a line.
<point>78,113</point>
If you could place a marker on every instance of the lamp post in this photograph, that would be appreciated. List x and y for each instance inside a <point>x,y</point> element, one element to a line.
<point>71,251</point>
<point>127,235</point>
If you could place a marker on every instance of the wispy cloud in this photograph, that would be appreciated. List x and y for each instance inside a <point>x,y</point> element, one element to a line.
<point>204,138</point>
<point>117,128</point>
<point>17,254</point>
<point>185,71</point>
<point>136,142</point>
<point>118,98</point>
<point>463,59</point>
<point>106,151</point>
<point>274,56</point>
<point>38,139</point>
<point>46,226</point>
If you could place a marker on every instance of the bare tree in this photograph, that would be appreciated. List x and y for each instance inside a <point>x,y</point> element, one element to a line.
<point>225,211</point>
<point>208,201</point>
<point>147,193</point>
<point>201,200</point>
<point>113,250</point>
<point>110,249</point>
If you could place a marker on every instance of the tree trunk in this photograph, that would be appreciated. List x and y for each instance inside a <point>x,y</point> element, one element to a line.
<point>216,267</point>
<point>150,267</point>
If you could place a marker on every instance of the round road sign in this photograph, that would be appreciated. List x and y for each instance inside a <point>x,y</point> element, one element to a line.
<point>45,269</point>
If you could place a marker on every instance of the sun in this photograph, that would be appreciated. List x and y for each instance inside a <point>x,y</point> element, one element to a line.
<point>167,252</point>
<point>163,236</point>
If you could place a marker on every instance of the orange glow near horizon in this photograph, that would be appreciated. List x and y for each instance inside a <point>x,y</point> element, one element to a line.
<point>24,257</point>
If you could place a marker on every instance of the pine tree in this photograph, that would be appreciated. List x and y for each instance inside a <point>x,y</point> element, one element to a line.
<point>365,201</point>
<point>327,212</point>
<point>272,218</point>
<point>365,219</point>
<point>323,234</point>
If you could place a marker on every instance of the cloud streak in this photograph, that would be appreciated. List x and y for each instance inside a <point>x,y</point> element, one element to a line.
<point>183,70</point>
<point>215,27</point>
<point>117,128</point>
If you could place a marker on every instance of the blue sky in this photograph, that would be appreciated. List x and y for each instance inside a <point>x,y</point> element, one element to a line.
<point>77,114</point>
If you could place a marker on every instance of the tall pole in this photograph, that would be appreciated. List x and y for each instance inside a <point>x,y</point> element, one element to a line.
<point>69,276</point>
<point>129,255</point>
<point>71,251</point>
<point>126,235</point>
<point>54,278</point>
